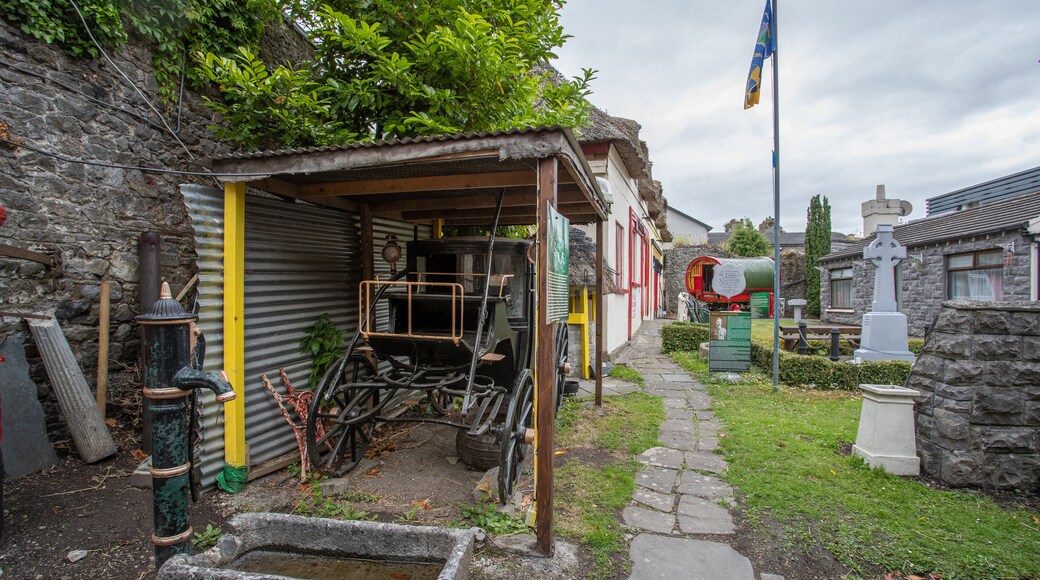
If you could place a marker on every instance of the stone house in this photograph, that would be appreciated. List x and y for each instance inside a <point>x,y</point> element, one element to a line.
<point>987,252</point>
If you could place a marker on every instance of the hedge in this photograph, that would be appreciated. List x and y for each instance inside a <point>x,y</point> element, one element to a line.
<point>796,370</point>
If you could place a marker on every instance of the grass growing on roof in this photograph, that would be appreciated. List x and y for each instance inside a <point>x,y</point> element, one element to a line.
<point>783,460</point>
<point>596,475</point>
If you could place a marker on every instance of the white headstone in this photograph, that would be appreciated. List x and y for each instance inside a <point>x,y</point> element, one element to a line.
<point>884,334</point>
<point>728,280</point>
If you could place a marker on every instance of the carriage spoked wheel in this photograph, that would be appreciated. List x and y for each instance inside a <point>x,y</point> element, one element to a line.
<point>562,349</point>
<point>513,445</point>
<point>341,420</point>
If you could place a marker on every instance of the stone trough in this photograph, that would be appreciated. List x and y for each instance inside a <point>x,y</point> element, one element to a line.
<point>268,545</point>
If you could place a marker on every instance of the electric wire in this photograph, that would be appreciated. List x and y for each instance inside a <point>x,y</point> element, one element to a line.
<point>67,159</point>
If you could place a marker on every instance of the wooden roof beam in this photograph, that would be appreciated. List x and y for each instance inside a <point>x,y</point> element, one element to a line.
<point>420,184</point>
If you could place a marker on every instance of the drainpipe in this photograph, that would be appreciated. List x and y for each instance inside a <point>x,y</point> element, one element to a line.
<point>169,380</point>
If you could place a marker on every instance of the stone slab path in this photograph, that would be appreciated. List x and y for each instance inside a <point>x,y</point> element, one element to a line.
<point>679,496</point>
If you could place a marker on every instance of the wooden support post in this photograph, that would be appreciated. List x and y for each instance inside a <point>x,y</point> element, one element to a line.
<point>368,252</point>
<point>234,322</point>
<point>545,366</point>
<point>601,242</point>
<point>102,355</point>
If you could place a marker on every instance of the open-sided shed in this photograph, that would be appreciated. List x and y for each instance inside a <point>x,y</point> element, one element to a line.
<point>449,180</point>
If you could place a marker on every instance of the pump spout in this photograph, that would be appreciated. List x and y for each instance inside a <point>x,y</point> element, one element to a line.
<point>188,379</point>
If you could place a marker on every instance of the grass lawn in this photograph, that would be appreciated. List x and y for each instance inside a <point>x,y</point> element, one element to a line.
<point>784,460</point>
<point>595,476</point>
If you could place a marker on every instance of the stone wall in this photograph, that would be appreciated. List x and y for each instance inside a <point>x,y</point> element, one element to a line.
<point>978,419</point>
<point>792,278</point>
<point>92,216</point>
<point>923,280</point>
<point>676,260</point>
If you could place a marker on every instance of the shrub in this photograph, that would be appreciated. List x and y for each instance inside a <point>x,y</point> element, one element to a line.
<point>683,336</point>
<point>916,346</point>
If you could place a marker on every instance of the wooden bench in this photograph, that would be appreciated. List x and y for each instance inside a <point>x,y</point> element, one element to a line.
<point>789,334</point>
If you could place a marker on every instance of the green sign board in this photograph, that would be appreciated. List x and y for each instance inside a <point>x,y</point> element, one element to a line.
<point>729,345</point>
<point>558,277</point>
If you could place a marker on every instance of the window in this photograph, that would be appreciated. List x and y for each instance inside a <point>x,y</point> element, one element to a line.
<point>975,276</point>
<point>841,288</point>
<point>619,255</point>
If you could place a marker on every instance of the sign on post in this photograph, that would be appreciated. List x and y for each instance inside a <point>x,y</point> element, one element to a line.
<point>728,280</point>
<point>558,271</point>
<point>729,344</point>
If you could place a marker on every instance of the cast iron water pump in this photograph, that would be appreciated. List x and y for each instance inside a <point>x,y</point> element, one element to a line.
<point>169,379</point>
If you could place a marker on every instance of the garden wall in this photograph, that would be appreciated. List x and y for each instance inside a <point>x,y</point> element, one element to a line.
<point>978,420</point>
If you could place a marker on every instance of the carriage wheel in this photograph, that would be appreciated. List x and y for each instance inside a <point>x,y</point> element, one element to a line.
<point>563,340</point>
<point>513,446</point>
<point>341,420</point>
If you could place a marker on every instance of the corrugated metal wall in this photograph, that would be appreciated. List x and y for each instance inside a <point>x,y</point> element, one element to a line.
<point>206,209</point>
<point>301,262</point>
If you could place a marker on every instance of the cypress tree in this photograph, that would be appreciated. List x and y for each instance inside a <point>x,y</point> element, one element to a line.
<point>817,245</point>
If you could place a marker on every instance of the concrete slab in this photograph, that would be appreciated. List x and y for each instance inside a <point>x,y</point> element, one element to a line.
<point>26,448</point>
<point>664,502</point>
<point>704,415</point>
<point>678,426</point>
<point>648,520</point>
<point>679,378</point>
<point>657,478</point>
<point>675,403</point>
<point>662,457</point>
<point>701,516</point>
<point>706,486</point>
<point>698,401</point>
<point>705,462</point>
<point>684,441</point>
<point>681,414</point>
<point>667,558</point>
<point>707,444</point>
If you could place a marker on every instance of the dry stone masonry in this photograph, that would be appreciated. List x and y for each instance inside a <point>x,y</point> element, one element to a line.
<point>978,420</point>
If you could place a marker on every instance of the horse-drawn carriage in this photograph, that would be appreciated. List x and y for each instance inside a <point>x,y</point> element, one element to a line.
<point>457,324</point>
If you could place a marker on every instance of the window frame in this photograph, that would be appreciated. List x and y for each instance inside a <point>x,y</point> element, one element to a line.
<point>974,267</point>
<point>619,256</point>
<point>832,278</point>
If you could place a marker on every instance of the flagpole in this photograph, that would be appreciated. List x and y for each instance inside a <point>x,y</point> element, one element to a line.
<point>776,200</point>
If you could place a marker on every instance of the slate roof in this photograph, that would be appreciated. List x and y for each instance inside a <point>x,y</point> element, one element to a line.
<point>787,239</point>
<point>990,218</point>
<point>1020,183</point>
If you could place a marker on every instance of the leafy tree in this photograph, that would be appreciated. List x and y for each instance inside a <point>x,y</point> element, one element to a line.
<point>747,241</point>
<point>817,245</point>
<point>380,71</point>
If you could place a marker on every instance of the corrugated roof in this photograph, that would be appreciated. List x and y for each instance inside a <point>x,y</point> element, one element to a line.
<point>1027,181</point>
<point>994,217</point>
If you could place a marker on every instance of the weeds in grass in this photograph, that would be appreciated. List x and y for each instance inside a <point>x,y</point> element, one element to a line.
<point>627,373</point>
<point>316,505</point>
<point>485,516</point>
<point>782,449</point>
<point>207,538</point>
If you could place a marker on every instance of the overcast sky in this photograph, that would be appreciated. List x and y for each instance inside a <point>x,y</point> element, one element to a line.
<point>923,96</point>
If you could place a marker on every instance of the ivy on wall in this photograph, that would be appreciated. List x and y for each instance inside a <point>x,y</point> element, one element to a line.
<point>176,29</point>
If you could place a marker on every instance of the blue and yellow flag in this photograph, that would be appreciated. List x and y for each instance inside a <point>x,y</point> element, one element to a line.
<point>763,50</point>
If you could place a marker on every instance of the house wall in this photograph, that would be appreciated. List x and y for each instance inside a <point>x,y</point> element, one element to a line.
<point>694,233</point>
<point>92,217</point>
<point>923,280</point>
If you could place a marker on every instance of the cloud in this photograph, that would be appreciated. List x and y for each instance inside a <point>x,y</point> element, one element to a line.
<point>924,97</point>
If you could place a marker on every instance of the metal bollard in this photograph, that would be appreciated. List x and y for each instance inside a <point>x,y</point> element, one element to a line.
<point>168,382</point>
<point>835,338</point>
<point>803,347</point>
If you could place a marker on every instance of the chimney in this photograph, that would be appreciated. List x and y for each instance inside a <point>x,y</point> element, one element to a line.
<point>883,211</point>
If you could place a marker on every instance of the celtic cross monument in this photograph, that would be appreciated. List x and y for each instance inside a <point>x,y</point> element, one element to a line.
<point>884,335</point>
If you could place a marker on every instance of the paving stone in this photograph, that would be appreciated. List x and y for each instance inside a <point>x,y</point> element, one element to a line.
<point>706,486</point>
<point>664,502</point>
<point>701,516</point>
<point>657,478</point>
<point>698,401</point>
<point>707,429</point>
<point>705,462</point>
<point>679,378</point>
<point>674,403</point>
<point>705,415</point>
<point>678,426</point>
<point>707,444</point>
<point>667,558</point>
<point>662,457</point>
<point>684,441</point>
<point>649,520</point>
<point>684,414</point>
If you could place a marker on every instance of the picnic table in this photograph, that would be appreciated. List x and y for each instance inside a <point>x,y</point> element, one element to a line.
<point>789,334</point>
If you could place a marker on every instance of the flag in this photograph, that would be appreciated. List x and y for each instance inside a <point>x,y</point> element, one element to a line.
<point>763,50</point>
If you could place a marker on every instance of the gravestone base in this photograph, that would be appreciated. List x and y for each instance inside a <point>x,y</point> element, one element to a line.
<point>886,436</point>
<point>884,337</point>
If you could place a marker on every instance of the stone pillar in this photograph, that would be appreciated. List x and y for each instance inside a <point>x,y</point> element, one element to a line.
<point>886,429</point>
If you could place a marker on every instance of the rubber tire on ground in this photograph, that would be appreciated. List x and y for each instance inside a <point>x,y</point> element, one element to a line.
<point>478,452</point>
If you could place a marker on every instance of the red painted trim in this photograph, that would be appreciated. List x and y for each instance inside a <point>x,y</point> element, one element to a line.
<point>595,148</point>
